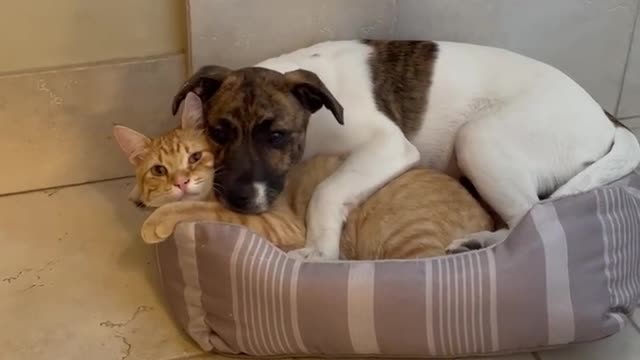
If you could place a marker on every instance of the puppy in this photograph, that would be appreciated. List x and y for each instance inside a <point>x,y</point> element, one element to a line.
<point>515,127</point>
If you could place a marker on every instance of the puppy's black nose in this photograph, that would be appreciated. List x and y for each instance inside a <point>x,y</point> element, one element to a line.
<point>240,197</point>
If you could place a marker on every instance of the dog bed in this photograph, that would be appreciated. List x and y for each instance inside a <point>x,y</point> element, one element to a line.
<point>568,273</point>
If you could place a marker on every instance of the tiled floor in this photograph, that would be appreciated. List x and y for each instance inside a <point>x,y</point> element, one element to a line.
<point>77,283</point>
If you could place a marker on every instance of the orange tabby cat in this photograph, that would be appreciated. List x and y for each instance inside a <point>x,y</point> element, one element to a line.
<point>415,215</point>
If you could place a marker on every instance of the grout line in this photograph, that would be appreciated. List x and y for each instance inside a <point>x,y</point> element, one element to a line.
<point>633,322</point>
<point>189,51</point>
<point>66,186</point>
<point>626,63</point>
<point>536,355</point>
<point>84,65</point>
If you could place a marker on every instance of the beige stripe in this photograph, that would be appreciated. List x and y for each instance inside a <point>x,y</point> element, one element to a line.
<point>234,285</point>
<point>441,307</point>
<point>186,246</point>
<point>635,244</point>
<point>480,301</point>
<point>276,297</point>
<point>449,300</point>
<point>246,284</point>
<point>362,328</point>
<point>458,327</point>
<point>268,315</point>
<point>428,296</point>
<point>465,315</point>
<point>603,208</point>
<point>253,295</point>
<point>474,300</point>
<point>294,307</point>
<point>493,298</point>
<point>559,306</point>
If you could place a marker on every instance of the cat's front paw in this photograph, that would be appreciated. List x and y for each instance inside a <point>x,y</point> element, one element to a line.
<point>155,230</point>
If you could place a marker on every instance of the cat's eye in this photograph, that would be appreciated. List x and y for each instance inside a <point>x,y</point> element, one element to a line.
<point>195,157</point>
<point>222,132</point>
<point>158,170</point>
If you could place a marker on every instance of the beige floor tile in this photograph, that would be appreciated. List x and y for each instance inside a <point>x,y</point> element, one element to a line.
<point>77,282</point>
<point>622,346</point>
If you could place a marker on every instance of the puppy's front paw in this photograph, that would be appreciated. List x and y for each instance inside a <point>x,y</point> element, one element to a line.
<point>307,254</point>
<point>463,245</point>
<point>477,241</point>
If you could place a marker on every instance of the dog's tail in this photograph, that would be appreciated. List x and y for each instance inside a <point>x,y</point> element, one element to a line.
<point>623,158</point>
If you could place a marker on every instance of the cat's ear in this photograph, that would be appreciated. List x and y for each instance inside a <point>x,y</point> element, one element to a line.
<point>192,112</point>
<point>131,142</point>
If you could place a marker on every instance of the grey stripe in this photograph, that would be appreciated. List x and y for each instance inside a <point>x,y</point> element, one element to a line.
<point>493,302</point>
<point>522,294</point>
<point>295,273</point>
<point>589,294</point>
<point>276,296</point>
<point>559,306</point>
<point>286,313</point>
<point>173,283</point>
<point>397,330</point>
<point>213,243</point>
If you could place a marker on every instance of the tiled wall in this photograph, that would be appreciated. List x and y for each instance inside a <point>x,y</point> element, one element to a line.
<point>587,39</point>
<point>69,70</point>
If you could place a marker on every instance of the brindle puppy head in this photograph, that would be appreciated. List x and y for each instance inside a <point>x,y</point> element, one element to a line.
<point>258,120</point>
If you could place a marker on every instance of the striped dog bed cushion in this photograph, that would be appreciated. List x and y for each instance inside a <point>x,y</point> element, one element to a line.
<point>569,272</point>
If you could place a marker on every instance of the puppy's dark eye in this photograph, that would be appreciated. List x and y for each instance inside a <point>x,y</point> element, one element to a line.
<point>277,138</point>
<point>221,132</point>
<point>195,157</point>
<point>158,170</point>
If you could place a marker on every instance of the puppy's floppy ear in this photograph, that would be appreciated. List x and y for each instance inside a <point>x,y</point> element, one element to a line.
<point>205,82</point>
<point>131,142</point>
<point>192,112</point>
<point>312,93</point>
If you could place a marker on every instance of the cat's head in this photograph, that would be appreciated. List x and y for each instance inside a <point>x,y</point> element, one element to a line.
<point>176,166</point>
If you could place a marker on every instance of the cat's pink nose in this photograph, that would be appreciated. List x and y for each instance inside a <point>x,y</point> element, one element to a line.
<point>182,182</point>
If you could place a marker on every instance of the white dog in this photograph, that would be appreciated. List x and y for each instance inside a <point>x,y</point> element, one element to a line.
<point>517,128</point>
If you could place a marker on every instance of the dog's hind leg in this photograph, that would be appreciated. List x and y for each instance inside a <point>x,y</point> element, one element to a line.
<point>501,175</point>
